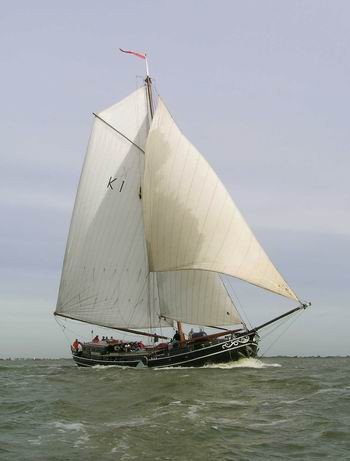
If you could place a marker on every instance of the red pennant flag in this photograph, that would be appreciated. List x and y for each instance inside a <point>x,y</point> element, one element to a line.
<point>139,55</point>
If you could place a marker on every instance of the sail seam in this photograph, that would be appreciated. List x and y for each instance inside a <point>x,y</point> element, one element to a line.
<point>119,132</point>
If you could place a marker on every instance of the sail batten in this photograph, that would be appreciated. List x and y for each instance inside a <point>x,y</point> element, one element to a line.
<point>191,222</point>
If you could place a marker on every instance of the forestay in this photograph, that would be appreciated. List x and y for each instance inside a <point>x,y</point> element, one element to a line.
<point>105,278</point>
<point>191,221</point>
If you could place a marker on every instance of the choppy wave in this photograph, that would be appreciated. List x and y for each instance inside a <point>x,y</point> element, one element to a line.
<point>263,409</point>
<point>242,363</point>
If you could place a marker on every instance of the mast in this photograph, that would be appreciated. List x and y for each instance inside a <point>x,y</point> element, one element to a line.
<point>148,82</point>
<point>181,333</point>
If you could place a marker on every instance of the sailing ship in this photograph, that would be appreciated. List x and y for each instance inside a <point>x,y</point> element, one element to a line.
<point>153,235</point>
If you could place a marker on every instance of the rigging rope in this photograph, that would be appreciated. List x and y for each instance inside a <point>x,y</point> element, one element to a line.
<point>239,303</point>
<point>298,314</point>
<point>64,328</point>
<point>84,337</point>
<point>119,132</point>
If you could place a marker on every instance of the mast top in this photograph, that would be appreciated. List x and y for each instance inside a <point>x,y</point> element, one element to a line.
<point>148,79</point>
<point>139,55</point>
<point>147,69</point>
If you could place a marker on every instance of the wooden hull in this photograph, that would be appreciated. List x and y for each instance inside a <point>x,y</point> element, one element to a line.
<point>206,353</point>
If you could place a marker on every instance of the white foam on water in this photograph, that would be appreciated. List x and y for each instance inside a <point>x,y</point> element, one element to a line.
<point>192,412</point>
<point>169,368</point>
<point>68,426</point>
<point>273,365</point>
<point>122,447</point>
<point>243,363</point>
<point>36,441</point>
<point>110,367</point>
<point>228,403</point>
<point>130,423</point>
<point>139,366</point>
<point>82,440</point>
<point>272,423</point>
<point>82,437</point>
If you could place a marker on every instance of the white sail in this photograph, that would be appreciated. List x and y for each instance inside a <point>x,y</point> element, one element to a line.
<point>196,297</point>
<point>105,278</point>
<point>191,221</point>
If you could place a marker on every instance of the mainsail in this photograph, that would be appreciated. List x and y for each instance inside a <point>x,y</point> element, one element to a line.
<point>106,278</point>
<point>191,221</point>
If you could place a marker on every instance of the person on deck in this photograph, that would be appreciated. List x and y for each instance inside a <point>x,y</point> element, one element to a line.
<point>75,346</point>
<point>176,340</point>
<point>177,336</point>
<point>96,339</point>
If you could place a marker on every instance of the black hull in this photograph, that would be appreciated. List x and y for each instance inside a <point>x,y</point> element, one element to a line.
<point>223,351</point>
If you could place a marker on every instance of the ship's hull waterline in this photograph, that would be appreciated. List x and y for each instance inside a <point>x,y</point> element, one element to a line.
<point>228,350</point>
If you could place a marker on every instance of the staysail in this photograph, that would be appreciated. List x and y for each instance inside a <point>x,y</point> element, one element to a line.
<point>195,297</point>
<point>190,219</point>
<point>105,278</point>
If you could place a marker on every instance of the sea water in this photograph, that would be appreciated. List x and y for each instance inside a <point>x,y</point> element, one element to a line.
<point>269,409</point>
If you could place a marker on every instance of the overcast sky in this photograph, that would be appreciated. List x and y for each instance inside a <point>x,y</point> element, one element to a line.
<point>261,88</point>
